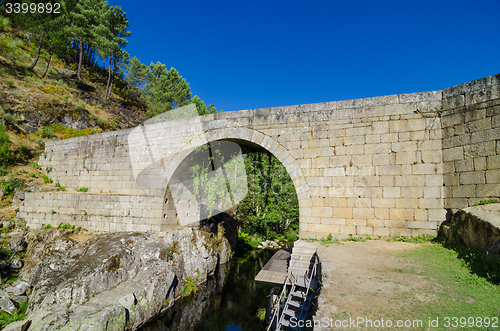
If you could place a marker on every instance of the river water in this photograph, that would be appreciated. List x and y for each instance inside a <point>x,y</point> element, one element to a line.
<point>228,301</point>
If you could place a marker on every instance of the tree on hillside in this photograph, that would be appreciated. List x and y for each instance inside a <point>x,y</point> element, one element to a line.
<point>137,73</point>
<point>87,25</point>
<point>112,47</point>
<point>165,89</point>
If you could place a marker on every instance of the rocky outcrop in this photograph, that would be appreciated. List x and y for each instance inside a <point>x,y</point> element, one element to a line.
<point>115,281</point>
<point>477,226</point>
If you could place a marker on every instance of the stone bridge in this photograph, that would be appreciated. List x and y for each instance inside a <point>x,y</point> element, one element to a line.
<point>382,166</point>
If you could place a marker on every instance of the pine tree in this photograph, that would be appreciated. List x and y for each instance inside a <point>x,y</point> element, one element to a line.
<point>165,89</point>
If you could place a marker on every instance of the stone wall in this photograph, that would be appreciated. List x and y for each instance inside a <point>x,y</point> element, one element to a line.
<point>382,166</point>
<point>471,142</point>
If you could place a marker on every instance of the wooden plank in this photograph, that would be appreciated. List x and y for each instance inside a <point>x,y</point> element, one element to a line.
<point>276,269</point>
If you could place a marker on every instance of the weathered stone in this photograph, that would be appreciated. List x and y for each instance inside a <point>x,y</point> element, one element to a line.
<point>7,306</point>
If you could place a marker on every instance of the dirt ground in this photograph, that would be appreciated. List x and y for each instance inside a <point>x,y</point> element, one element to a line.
<point>366,280</point>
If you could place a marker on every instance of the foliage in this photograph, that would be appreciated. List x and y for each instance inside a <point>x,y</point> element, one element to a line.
<point>65,226</point>
<point>11,184</point>
<point>46,179</point>
<point>63,132</point>
<point>417,239</point>
<point>165,89</point>
<point>486,202</point>
<point>271,205</point>
<point>60,186</point>
<point>201,107</point>
<point>82,189</point>
<point>6,318</point>
<point>189,288</point>
<point>46,227</point>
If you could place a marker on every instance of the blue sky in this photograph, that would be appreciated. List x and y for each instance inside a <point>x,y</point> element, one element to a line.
<point>256,54</point>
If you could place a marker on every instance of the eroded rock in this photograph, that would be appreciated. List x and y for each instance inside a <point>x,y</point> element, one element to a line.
<point>115,279</point>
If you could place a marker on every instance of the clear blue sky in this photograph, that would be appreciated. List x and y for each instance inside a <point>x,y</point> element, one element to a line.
<point>255,54</point>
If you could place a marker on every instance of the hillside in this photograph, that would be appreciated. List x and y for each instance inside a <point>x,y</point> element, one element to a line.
<point>35,109</point>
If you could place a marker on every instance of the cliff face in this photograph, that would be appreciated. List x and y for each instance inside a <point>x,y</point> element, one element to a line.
<point>116,281</point>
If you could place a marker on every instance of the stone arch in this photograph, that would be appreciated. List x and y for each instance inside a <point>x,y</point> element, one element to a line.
<point>265,142</point>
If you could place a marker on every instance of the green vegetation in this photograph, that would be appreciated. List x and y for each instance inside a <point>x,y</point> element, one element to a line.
<point>6,318</point>
<point>82,189</point>
<point>486,202</point>
<point>11,184</point>
<point>189,288</point>
<point>60,186</point>
<point>46,179</point>
<point>47,227</point>
<point>468,291</point>
<point>63,132</point>
<point>417,239</point>
<point>65,226</point>
<point>270,209</point>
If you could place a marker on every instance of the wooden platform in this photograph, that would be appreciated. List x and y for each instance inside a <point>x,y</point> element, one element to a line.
<point>276,269</point>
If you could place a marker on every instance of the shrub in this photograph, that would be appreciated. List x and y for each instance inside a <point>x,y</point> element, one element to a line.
<point>46,179</point>
<point>80,105</point>
<point>11,184</point>
<point>47,132</point>
<point>65,226</point>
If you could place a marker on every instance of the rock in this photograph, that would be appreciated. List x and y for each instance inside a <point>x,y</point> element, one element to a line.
<point>20,195</point>
<point>110,277</point>
<point>18,326</point>
<point>17,243</point>
<point>128,301</point>
<point>13,291</point>
<point>23,286</point>
<point>20,298</point>
<point>7,224</point>
<point>7,306</point>
<point>16,264</point>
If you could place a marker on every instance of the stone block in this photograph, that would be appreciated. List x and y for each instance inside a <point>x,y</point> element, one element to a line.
<point>435,180</point>
<point>398,126</point>
<point>347,229</point>
<point>406,146</point>
<point>389,170</point>
<point>341,212</point>
<point>487,190</point>
<point>454,102</point>
<point>356,222</point>
<point>334,221</point>
<point>383,202</point>
<point>429,203</point>
<point>486,148</point>
<point>364,230</point>
<point>406,157</point>
<point>365,213</point>
<point>401,214</point>
<point>420,214</point>
<point>424,169</point>
<point>432,156</point>
<point>453,154</point>
<point>472,177</point>
<point>421,225</point>
<point>381,159</point>
<point>485,135</point>
<point>382,213</point>
<point>322,211</point>
<point>389,137</point>
<point>381,231</point>
<point>391,192</point>
<point>437,215</point>
<point>380,127</point>
<point>395,223</point>
<point>406,203</point>
<point>493,176</point>
<point>402,232</point>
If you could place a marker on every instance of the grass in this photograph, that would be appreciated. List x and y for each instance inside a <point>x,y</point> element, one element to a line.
<point>6,318</point>
<point>63,132</point>
<point>463,287</point>
<point>82,189</point>
<point>486,202</point>
<point>65,226</point>
<point>417,239</point>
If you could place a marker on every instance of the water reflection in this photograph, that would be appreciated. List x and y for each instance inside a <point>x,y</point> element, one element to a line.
<point>228,301</point>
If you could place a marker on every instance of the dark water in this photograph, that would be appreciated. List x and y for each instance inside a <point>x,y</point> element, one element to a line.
<point>228,301</point>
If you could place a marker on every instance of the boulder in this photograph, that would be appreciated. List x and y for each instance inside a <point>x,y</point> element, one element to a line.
<point>16,264</point>
<point>7,305</point>
<point>13,291</point>
<point>114,279</point>
<point>18,326</point>
<point>7,224</point>
<point>20,298</point>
